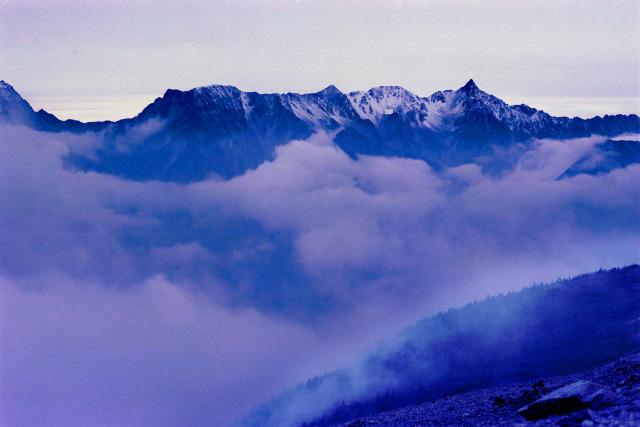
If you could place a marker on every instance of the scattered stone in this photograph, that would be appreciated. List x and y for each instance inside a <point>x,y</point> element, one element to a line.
<point>574,397</point>
<point>480,404</point>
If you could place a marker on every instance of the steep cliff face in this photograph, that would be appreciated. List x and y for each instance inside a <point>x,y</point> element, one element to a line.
<point>14,109</point>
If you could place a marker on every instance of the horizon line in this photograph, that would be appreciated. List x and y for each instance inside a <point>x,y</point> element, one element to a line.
<point>115,107</point>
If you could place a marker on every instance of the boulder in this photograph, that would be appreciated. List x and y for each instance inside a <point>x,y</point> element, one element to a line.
<point>579,395</point>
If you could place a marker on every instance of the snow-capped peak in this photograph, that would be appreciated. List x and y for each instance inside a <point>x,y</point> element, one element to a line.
<point>7,92</point>
<point>470,87</point>
<point>13,107</point>
<point>224,91</point>
<point>383,100</point>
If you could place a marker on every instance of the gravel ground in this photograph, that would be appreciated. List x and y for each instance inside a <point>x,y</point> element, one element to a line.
<point>497,406</point>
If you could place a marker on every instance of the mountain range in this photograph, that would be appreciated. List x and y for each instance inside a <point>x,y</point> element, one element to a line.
<point>187,136</point>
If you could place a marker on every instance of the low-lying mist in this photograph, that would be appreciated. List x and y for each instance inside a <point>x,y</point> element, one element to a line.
<point>126,302</point>
<point>543,330</point>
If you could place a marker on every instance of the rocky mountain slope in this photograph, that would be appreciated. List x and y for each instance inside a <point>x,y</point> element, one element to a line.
<point>187,136</point>
<point>541,331</point>
<point>499,406</point>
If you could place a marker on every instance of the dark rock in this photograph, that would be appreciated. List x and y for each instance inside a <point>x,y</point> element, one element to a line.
<point>527,397</point>
<point>545,408</point>
<point>499,401</point>
<point>576,419</point>
<point>574,397</point>
<point>539,384</point>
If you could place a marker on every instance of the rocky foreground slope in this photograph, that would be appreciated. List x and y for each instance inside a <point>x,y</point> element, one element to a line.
<point>616,402</point>
<point>540,332</point>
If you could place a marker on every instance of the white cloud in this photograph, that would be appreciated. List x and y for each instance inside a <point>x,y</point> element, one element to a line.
<point>80,353</point>
<point>173,302</point>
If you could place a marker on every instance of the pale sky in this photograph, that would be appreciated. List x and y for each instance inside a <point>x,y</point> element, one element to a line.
<point>93,60</point>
